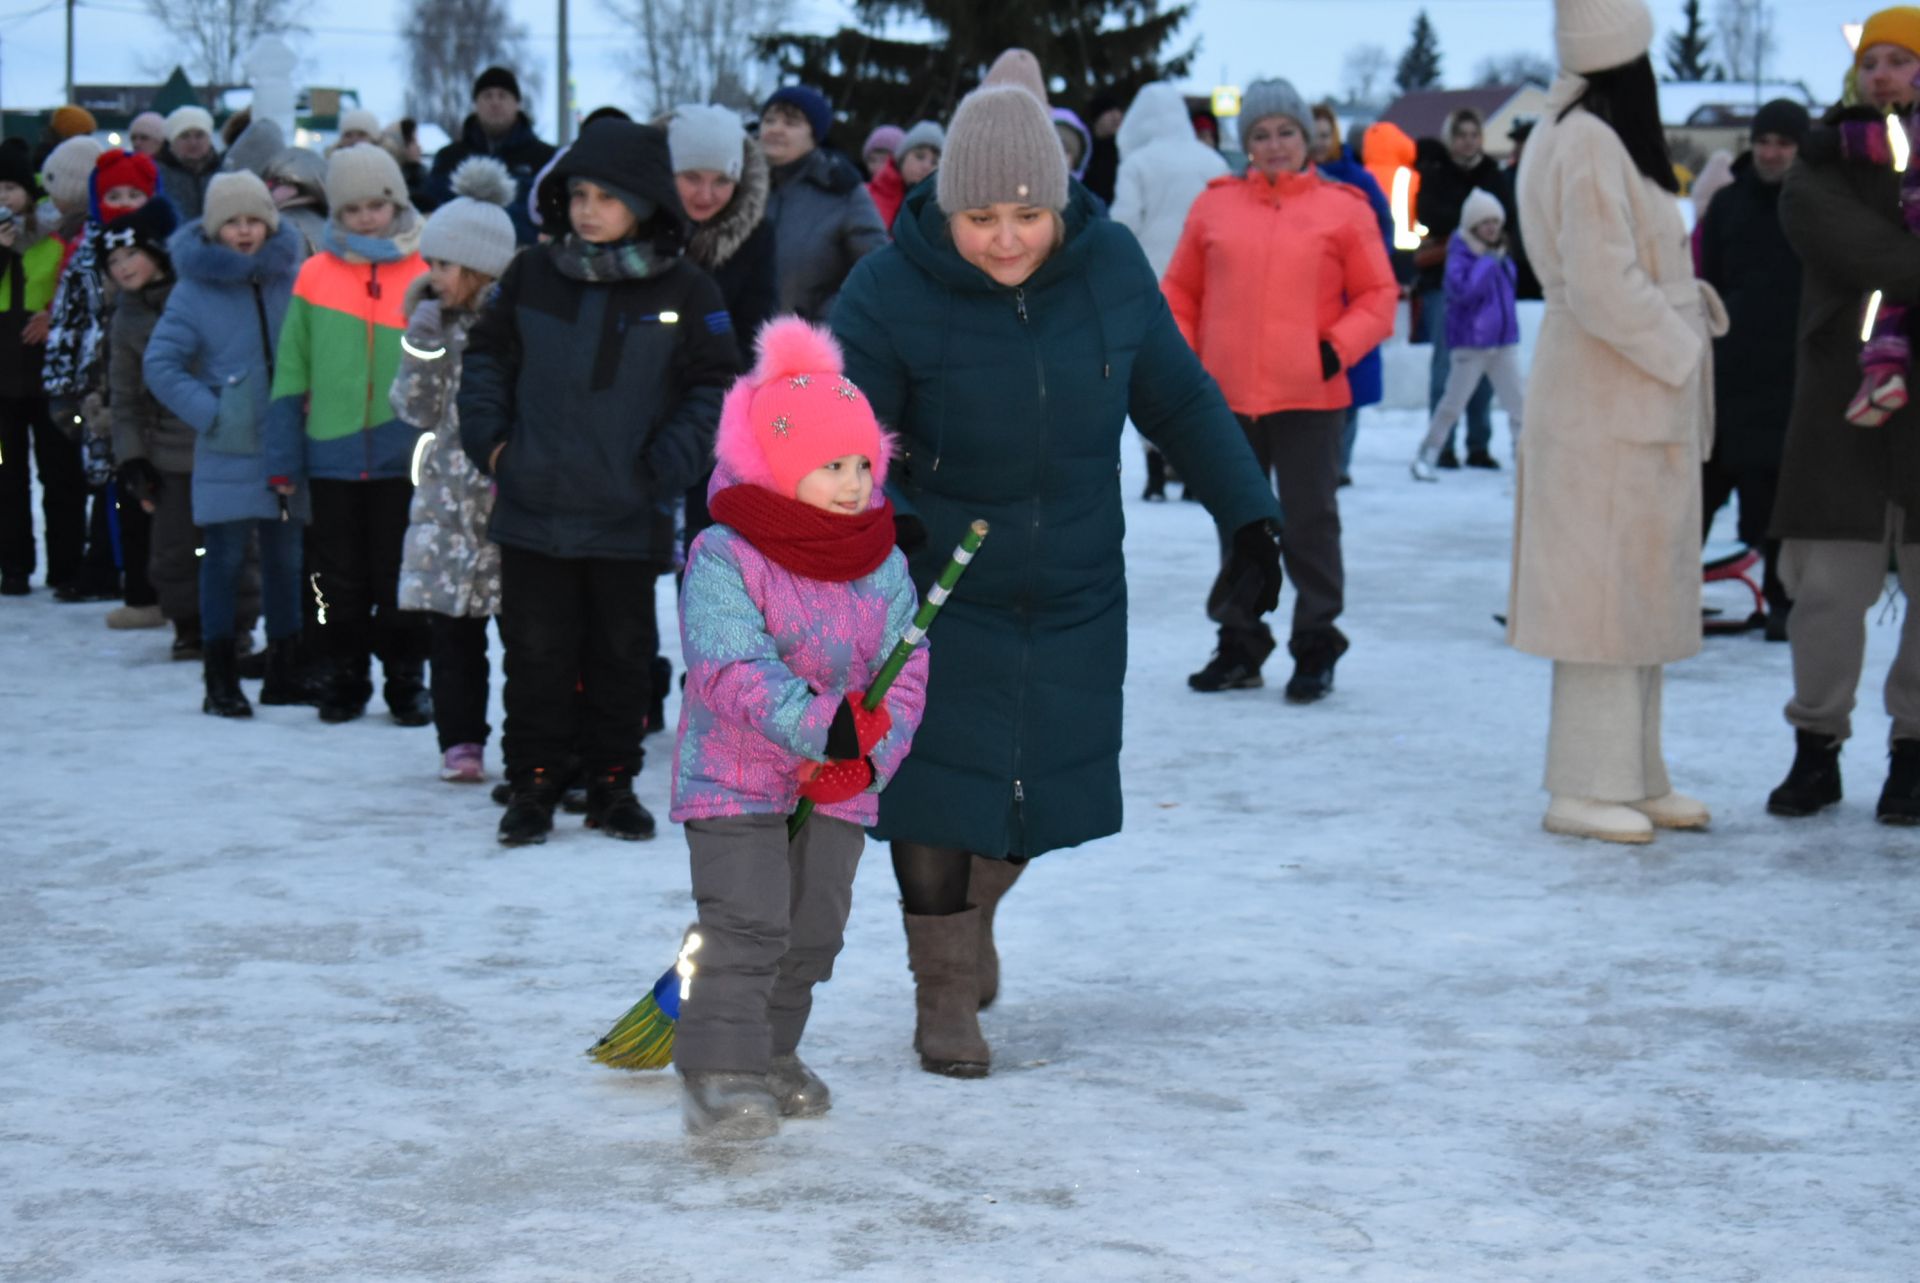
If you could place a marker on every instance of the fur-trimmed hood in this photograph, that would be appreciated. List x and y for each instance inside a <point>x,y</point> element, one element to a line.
<point>195,258</point>
<point>720,237</point>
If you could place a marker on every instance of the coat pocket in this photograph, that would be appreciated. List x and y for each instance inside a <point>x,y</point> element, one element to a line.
<point>236,420</point>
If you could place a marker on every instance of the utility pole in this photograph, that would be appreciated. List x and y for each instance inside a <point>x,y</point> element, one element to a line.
<point>565,127</point>
<point>70,6</point>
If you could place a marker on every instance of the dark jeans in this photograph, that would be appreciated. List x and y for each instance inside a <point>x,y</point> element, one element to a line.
<point>173,569</point>
<point>225,579</point>
<point>460,673</point>
<point>1433,310</point>
<point>358,530</point>
<point>1756,488</point>
<point>572,625</point>
<point>27,433</point>
<point>1300,450</point>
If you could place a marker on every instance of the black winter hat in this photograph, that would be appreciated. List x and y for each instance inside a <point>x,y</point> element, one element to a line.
<point>1782,116</point>
<point>146,228</point>
<point>497,78</point>
<point>630,160</point>
<point>16,166</point>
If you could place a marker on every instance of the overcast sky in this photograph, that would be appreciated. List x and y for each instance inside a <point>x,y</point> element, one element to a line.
<point>353,42</point>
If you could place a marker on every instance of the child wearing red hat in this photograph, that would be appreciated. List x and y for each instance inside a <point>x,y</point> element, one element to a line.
<point>791,605</point>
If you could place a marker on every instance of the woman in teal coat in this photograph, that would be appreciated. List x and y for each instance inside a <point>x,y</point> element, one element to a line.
<point>1006,336</point>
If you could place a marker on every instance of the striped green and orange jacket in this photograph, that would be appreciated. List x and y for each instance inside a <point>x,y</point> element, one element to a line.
<point>339,350</point>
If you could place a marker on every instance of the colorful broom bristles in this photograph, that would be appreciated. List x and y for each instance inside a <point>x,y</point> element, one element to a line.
<point>643,1038</point>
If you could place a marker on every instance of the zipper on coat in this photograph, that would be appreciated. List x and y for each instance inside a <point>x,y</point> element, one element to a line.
<point>266,332</point>
<point>1026,604</point>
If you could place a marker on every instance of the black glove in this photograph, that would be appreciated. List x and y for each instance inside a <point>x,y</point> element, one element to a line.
<point>1329,360</point>
<point>139,480</point>
<point>1253,566</point>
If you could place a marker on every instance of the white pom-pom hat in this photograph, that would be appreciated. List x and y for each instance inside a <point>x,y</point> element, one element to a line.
<point>473,229</point>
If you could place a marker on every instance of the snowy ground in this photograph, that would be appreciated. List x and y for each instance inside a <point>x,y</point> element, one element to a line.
<point>1333,1007</point>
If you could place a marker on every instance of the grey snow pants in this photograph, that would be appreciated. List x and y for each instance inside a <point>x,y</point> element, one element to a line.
<point>772,919</point>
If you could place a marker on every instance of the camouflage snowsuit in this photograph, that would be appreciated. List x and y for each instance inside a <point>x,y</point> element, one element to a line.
<point>448,565</point>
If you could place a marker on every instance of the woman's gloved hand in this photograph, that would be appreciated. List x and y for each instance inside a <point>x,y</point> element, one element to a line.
<point>1253,564</point>
<point>1329,360</point>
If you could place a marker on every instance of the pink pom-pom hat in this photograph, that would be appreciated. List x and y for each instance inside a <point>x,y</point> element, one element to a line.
<point>795,411</point>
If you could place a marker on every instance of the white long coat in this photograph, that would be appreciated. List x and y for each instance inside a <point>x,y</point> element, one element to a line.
<point>1163,170</point>
<point>1606,549</point>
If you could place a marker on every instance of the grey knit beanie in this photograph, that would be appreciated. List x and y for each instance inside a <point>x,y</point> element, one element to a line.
<point>229,196</point>
<point>925,134</point>
<point>473,229</point>
<point>363,172</point>
<point>1002,148</point>
<point>702,137</point>
<point>1018,67</point>
<point>1276,97</point>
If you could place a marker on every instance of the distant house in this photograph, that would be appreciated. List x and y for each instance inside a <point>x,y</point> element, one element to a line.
<point>1424,113</point>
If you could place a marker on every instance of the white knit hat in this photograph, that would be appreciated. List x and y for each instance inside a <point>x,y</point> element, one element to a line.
<point>1594,35</point>
<point>229,196</point>
<point>473,229</point>
<point>67,168</point>
<point>181,119</point>
<point>360,120</point>
<point>1481,205</point>
<point>925,134</point>
<point>703,137</point>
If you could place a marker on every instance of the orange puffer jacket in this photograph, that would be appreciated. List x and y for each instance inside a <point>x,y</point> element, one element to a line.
<point>1266,269</point>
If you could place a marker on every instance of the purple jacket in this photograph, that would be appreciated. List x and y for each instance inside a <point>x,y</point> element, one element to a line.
<point>1480,292</point>
<point>769,656</point>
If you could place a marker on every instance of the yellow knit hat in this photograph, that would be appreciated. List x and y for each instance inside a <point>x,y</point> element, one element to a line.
<point>1899,25</point>
<point>71,122</point>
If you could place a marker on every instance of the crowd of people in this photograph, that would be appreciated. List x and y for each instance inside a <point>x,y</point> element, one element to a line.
<point>381,404</point>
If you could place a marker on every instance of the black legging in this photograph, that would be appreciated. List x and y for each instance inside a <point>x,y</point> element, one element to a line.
<point>933,879</point>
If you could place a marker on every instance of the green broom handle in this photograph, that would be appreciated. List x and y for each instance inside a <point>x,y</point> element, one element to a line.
<point>908,643</point>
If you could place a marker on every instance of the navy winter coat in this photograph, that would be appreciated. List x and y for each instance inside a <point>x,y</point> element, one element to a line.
<point>1010,406</point>
<point>214,343</point>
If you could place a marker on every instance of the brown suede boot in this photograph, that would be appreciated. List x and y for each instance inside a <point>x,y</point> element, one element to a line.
<point>943,952</point>
<point>989,881</point>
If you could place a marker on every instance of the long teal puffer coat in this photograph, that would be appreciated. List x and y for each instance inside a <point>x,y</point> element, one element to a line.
<point>1010,405</point>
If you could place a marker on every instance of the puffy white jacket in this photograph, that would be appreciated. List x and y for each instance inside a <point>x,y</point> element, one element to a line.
<point>1163,168</point>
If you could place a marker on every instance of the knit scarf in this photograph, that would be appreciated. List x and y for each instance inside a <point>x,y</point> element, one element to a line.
<point>352,247</point>
<point>809,541</point>
<point>78,321</point>
<point>583,260</point>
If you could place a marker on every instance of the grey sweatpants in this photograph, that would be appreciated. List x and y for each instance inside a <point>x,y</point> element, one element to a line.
<point>772,918</point>
<point>1501,367</point>
<point>1603,744</point>
<point>1833,584</point>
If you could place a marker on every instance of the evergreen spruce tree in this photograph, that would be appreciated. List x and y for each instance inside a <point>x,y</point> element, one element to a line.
<point>870,79</point>
<point>1420,64</point>
<point>1687,48</point>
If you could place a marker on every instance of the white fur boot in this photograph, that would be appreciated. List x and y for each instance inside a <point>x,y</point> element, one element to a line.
<point>1606,821</point>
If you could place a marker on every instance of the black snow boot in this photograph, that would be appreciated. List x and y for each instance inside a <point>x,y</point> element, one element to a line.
<point>1314,655</point>
<point>1814,780</point>
<point>1156,476</point>
<point>287,680</point>
<point>1900,799</point>
<point>529,816</point>
<point>251,664</point>
<point>224,696</point>
<point>613,809</point>
<point>406,693</point>
<point>660,674</point>
<point>1235,664</point>
<point>186,639</point>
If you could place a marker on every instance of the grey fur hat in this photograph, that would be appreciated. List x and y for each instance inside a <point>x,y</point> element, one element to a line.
<point>703,137</point>
<point>925,134</point>
<point>473,229</point>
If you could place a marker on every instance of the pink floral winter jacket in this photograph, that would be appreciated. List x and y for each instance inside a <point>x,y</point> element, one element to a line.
<point>769,655</point>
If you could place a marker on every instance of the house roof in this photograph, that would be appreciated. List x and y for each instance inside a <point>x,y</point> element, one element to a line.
<point>1423,114</point>
<point>1723,102</point>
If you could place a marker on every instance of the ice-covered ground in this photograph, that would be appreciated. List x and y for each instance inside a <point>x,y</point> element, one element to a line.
<point>274,1003</point>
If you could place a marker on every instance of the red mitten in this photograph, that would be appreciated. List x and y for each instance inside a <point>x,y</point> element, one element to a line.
<point>872,727</point>
<point>837,782</point>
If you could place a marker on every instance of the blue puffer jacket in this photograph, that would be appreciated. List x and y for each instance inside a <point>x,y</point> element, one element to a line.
<point>210,362</point>
<point>1366,379</point>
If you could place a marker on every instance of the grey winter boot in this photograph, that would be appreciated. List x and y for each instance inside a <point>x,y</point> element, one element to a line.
<point>944,952</point>
<point>990,880</point>
<point>720,1105</point>
<point>799,1090</point>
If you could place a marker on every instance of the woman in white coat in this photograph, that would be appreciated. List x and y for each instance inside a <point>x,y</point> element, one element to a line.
<point>1163,169</point>
<point>1606,556</point>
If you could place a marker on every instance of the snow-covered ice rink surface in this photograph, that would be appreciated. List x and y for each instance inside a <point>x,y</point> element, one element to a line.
<point>273,1003</point>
